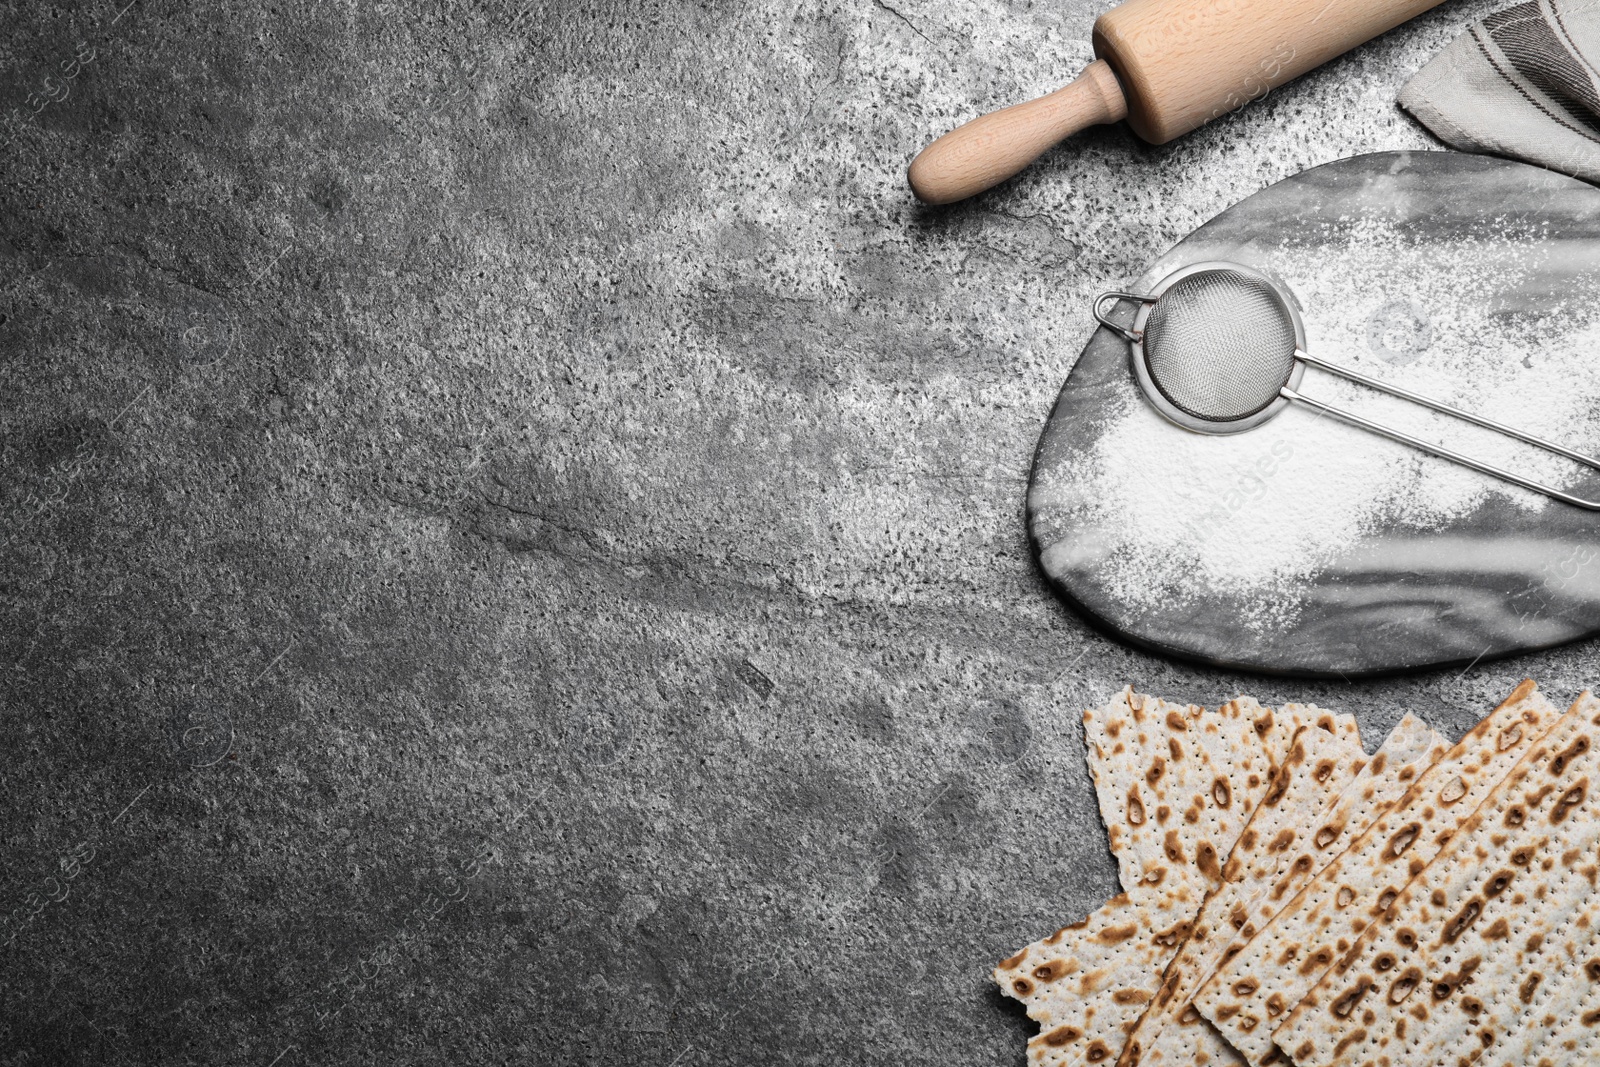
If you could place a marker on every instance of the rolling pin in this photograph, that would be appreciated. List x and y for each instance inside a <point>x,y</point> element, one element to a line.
<point>1167,66</point>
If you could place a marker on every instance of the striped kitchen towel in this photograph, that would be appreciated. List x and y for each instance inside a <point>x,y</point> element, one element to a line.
<point>1524,82</point>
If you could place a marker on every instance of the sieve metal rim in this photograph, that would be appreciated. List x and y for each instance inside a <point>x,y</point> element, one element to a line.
<point>1158,399</point>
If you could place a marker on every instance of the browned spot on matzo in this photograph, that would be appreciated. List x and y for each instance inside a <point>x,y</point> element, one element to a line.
<point>1061,1035</point>
<point>1570,799</point>
<point>1050,970</point>
<point>1403,840</point>
<point>1114,934</point>
<point>1464,918</point>
<point>1158,770</point>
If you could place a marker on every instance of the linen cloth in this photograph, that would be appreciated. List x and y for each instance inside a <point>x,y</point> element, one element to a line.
<point>1523,82</point>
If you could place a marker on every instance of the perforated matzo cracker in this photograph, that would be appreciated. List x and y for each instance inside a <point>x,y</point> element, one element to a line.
<point>1569,1023</point>
<point>1480,936</point>
<point>1332,791</point>
<point>1175,785</point>
<point>1251,993</point>
<point>1086,982</point>
<point>1318,765</point>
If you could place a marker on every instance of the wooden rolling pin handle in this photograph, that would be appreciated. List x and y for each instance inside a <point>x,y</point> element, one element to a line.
<point>992,148</point>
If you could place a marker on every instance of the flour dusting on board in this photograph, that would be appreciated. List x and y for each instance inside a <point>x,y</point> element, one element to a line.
<point>1259,514</point>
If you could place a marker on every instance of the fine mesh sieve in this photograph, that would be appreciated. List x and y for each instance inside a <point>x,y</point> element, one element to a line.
<point>1219,348</point>
<point>1220,344</point>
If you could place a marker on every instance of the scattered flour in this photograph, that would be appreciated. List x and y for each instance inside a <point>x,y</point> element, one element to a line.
<point>1260,514</point>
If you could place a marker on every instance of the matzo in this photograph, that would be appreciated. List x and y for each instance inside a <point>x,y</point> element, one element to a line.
<point>1244,745</point>
<point>1122,742</point>
<point>1085,982</point>
<point>1445,974</point>
<point>1251,993</point>
<point>1318,765</point>
<point>1175,786</point>
<point>1550,1026</point>
<point>1576,1011</point>
<point>1332,793</point>
<point>1175,783</point>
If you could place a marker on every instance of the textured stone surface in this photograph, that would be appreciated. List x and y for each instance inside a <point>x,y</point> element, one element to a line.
<point>513,526</point>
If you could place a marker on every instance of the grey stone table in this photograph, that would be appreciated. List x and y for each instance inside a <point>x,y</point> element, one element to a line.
<point>513,526</point>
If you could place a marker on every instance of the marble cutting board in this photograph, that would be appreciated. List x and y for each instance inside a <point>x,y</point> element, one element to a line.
<point>1310,548</point>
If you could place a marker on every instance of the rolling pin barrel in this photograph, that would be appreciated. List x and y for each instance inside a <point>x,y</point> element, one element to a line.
<point>1167,66</point>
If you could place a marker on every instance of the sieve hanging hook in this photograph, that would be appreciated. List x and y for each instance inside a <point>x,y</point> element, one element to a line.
<point>1220,348</point>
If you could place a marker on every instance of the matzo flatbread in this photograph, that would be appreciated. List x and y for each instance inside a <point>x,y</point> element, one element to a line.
<point>1410,749</point>
<point>1551,1026</point>
<point>1455,966</point>
<point>1332,792</point>
<point>1559,1022</point>
<point>1250,994</point>
<point>1299,715</point>
<point>1122,741</point>
<point>1176,781</point>
<point>1317,767</point>
<point>1085,982</point>
<point>1175,786</point>
<point>1244,745</point>
<point>1575,1034</point>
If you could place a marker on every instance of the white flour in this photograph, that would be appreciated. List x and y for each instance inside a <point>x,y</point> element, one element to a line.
<point>1261,513</point>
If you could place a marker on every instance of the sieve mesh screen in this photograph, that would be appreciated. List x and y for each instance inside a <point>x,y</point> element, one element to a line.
<point>1220,344</point>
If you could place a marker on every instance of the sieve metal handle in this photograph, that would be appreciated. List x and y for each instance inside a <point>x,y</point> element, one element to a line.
<point>1436,405</point>
<point>1132,298</point>
<point>1439,450</point>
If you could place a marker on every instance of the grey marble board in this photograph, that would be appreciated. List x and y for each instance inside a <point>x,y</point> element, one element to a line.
<point>1306,547</point>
